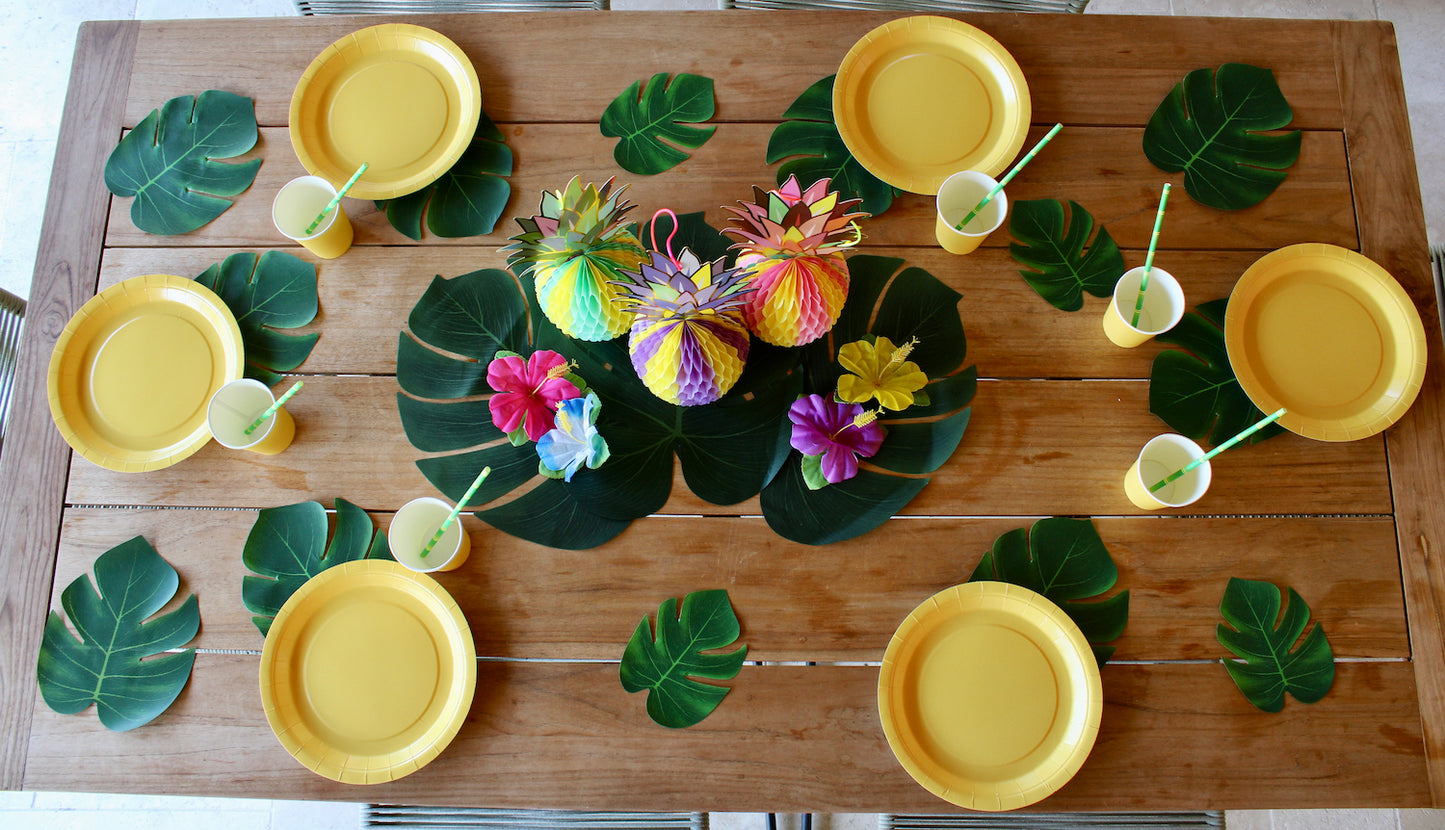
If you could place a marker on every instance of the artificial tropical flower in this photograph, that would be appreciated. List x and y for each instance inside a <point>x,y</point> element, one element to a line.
<point>575,441</point>
<point>528,392</point>
<point>880,370</point>
<point>839,432</point>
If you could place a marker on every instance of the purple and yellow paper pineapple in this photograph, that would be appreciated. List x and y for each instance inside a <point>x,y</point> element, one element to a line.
<point>577,249</point>
<point>792,254</point>
<point>688,341</point>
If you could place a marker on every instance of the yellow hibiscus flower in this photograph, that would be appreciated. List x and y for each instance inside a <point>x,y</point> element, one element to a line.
<point>879,371</point>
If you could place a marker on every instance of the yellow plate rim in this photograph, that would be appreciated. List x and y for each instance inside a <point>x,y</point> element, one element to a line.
<point>157,287</point>
<point>1032,609</point>
<point>983,44</point>
<point>368,187</point>
<point>315,755</point>
<point>1369,275</point>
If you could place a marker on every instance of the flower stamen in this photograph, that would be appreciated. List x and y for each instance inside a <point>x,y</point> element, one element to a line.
<point>902,352</point>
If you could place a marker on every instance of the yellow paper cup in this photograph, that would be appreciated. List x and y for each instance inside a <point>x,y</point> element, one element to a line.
<point>236,406</point>
<point>297,206</point>
<point>1164,454</point>
<point>959,194</point>
<point>1163,307</point>
<point>414,525</point>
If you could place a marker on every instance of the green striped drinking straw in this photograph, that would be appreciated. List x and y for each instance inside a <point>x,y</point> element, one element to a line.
<point>1266,421</point>
<point>1009,176</point>
<point>456,511</point>
<point>336,200</point>
<point>271,410</point>
<point>1149,257</point>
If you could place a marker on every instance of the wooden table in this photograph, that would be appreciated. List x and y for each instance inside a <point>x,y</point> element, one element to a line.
<point>1358,529</point>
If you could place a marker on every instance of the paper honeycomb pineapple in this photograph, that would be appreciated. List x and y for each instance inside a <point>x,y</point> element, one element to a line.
<point>689,341</point>
<point>577,249</point>
<point>791,252</point>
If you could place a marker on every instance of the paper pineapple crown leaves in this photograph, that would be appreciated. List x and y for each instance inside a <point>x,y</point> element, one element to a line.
<point>640,118</point>
<point>274,291</point>
<point>287,546</point>
<point>169,162</point>
<point>665,664</point>
<point>1271,663</point>
<point>1064,560</point>
<point>105,666</point>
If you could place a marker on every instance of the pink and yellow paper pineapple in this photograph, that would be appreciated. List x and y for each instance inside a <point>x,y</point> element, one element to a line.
<point>791,252</point>
<point>577,249</point>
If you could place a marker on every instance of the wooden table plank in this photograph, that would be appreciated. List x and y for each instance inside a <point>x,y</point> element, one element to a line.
<point>1392,232</point>
<point>1101,168</point>
<point>1012,332</point>
<point>1027,452</point>
<point>786,739</point>
<point>32,469</point>
<point>838,602</point>
<point>1092,69</point>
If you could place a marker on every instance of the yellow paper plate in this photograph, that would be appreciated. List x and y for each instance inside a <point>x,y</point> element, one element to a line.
<point>133,370</point>
<point>990,696</point>
<point>921,98</point>
<point>1329,335</point>
<point>368,672</point>
<point>401,98</point>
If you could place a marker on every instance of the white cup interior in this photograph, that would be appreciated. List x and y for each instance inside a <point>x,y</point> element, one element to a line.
<point>297,205</point>
<point>413,526</point>
<point>1163,300</point>
<point>1165,454</point>
<point>236,406</point>
<point>960,193</point>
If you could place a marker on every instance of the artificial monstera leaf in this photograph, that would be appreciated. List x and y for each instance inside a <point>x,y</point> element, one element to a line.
<point>919,439</point>
<point>640,118</point>
<point>468,199</point>
<point>664,665</point>
<point>273,291</point>
<point>1052,249</point>
<point>1270,663</point>
<point>287,546</point>
<point>105,665</point>
<point>1065,560</point>
<point>169,162</point>
<point>1212,126</point>
<point>811,135</point>
<point>1195,391</point>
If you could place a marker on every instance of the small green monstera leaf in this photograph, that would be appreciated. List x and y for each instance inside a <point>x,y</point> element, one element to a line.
<point>810,137</point>
<point>287,546</point>
<point>1066,561</point>
<point>1270,664</point>
<point>1212,126</point>
<point>664,665</point>
<point>1052,249</point>
<point>273,291</point>
<point>1195,391</point>
<point>169,162</point>
<point>106,666</point>
<point>640,118</point>
<point>468,199</point>
<point>919,439</point>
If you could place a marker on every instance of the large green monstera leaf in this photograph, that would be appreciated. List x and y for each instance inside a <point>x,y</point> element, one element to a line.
<point>169,162</point>
<point>1052,249</point>
<point>1195,391</point>
<point>1066,561</point>
<point>810,137</point>
<point>1212,126</point>
<point>117,663</point>
<point>273,291</point>
<point>665,664</point>
<point>919,440</point>
<point>287,546</point>
<point>640,118</point>
<point>1270,663</point>
<point>468,199</point>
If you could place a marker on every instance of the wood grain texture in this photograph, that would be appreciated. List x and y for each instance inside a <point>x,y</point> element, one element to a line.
<point>1392,232</point>
<point>839,602</point>
<point>1027,452</point>
<point>1101,168</point>
<point>786,739</point>
<point>367,295</point>
<point>35,461</point>
<point>1097,69</point>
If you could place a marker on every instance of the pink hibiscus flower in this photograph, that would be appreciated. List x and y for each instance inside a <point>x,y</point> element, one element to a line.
<point>529,392</point>
<point>822,426</point>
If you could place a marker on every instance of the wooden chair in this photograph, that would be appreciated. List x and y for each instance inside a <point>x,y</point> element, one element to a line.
<point>913,6</point>
<point>12,314</point>
<point>314,7</point>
